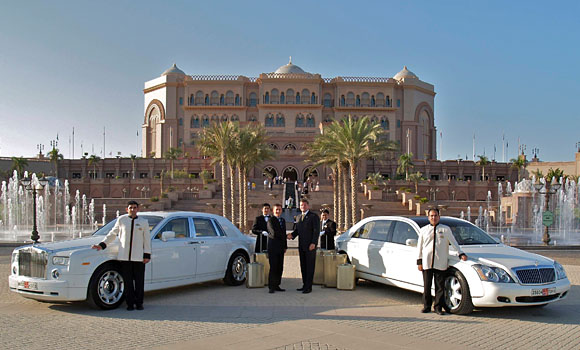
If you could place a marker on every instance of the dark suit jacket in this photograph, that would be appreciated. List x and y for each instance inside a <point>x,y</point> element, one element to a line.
<point>257,228</point>
<point>307,230</point>
<point>277,241</point>
<point>327,239</point>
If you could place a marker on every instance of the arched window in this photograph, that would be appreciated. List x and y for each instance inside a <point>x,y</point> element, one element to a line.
<point>384,123</point>
<point>388,101</point>
<point>372,100</point>
<point>350,99</point>
<point>214,98</point>
<point>267,97</point>
<point>230,98</point>
<point>252,118</point>
<point>275,96</point>
<point>237,100</point>
<point>205,121</point>
<point>253,99</point>
<point>381,100</point>
<point>206,100</point>
<point>194,122</point>
<point>273,146</point>
<point>180,121</point>
<point>297,98</point>
<point>357,100</point>
<point>199,98</point>
<point>310,123</point>
<point>365,99</point>
<point>224,118</point>
<point>191,100</point>
<point>235,118</point>
<point>327,100</point>
<point>222,100</point>
<point>290,147</point>
<point>269,121</point>
<point>214,118</point>
<point>280,120</point>
<point>300,120</point>
<point>305,95</point>
<point>342,101</point>
<point>313,99</point>
<point>282,98</point>
<point>289,96</point>
<point>374,119</point>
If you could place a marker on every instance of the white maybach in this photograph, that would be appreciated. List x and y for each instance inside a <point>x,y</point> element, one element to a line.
<point>187,248</point>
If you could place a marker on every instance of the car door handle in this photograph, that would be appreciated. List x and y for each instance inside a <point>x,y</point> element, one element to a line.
<point>196,242</point>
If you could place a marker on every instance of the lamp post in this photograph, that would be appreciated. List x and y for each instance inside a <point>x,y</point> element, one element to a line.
<point>32,185</point>
<point>547,216</point>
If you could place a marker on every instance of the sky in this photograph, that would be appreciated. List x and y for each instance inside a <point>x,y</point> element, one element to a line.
<point>502,70</point>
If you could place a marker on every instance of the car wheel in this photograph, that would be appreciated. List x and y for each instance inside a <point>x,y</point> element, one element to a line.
<point>237,269</point>
<point>106,288</point>
<point>456,294</point>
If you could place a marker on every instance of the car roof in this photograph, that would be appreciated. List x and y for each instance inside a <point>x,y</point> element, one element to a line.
<point>166,214</point>
<point>445,220</point>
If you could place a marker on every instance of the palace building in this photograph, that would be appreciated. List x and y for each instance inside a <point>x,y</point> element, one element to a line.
<point>293,105</point>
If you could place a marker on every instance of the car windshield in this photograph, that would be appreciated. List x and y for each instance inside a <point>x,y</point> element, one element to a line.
<point>152,219</point>
<point>464,232</point>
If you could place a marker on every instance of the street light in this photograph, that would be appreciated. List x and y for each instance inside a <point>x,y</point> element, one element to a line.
<point>31,185</point>
<point>547,189</point>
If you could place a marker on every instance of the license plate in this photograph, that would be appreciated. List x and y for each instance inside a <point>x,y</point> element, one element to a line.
<point>543,292</point>
<point>28,285</point>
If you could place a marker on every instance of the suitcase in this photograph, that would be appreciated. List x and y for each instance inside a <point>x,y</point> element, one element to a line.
<point>262,258</point>
<point>255,278</point>
<point>319,267</point>
<point>331,262</point>
<point>345,277</point>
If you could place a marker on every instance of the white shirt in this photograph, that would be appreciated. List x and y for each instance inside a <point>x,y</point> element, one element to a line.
<point>438,258</point>
<point>130,248</point>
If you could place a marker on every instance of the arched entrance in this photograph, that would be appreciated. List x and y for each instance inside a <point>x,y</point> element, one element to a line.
<point>290,173</point>
<point>310,173</point>
<point>270,172</point>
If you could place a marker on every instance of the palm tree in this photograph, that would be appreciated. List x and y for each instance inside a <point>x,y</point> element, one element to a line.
<point>54,158</point>
<point>19,164</point>
<point>538,174</point>
<point>172,154</point>
<point>133,159</point>
<point>483,162</point>
<point>357,140</point>
<point>94,160</point>
<point>520,163</point>
<point>415,178</point>
<point>405,163</point>
<point>554,173</point>
<point>215,141</point>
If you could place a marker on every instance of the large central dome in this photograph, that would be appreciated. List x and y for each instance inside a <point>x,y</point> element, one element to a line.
<point>290,69</point>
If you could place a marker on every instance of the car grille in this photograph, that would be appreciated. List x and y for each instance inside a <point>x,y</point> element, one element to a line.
<point>32,262</point>
<point>536,275</point>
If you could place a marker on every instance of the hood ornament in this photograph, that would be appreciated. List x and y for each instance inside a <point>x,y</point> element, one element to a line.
<point>536,263</point>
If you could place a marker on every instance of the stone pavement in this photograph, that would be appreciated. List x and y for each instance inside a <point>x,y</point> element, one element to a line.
<point>215,316</point>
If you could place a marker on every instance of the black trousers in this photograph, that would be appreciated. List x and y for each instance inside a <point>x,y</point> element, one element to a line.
<point>134,275</point>
<point>276,260</point>
<point>428,276</point>
<point>307,261</point>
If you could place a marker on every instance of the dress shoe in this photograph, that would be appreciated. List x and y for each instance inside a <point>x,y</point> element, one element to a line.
<point>426,310</point>
<point>278,289</point>
<point>130,308</point>
<point>440,311</point>
<point>300,289</point>
<point>306,291</point>
<point>139,307</point>
<point>271,291</point>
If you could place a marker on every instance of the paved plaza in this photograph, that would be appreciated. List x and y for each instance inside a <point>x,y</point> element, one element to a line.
<point>215,316</point>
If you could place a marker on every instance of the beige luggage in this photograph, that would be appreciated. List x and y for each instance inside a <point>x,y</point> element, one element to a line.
<point>345,277</point>
<point>319,267</point>
<point>255,277</point>
<point>331,262</point>
<point>262,258</point>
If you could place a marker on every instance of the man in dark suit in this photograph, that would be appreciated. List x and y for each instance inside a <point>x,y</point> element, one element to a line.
<point>260,229</point>
<point>328,231</point>
<point>277,245</point>
<point>307,227</point>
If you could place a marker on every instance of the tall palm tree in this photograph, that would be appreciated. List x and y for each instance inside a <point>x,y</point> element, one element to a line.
<point>215,141</point>
<point>483,162</point>
<point>405,163</point>
<point>172,154</point>
<point>93,161</point>
<point>415,178</point>
<point>54,157</point>
<point>19,164</point>
<point>519,163</point>
<point>554,173</point>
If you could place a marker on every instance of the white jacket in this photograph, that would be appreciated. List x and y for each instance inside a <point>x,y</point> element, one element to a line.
<point>134,247</point>
<point>444,237</point>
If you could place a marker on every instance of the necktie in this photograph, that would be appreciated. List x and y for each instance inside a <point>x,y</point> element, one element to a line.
<point>302,217</point>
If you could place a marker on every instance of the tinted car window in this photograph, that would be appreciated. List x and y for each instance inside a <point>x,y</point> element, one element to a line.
<point>204,228</point>
<point>153,221</point>
<point>402,232</point>
<point>464,232</point>
<point>180,226</point>
<point>379,230</point>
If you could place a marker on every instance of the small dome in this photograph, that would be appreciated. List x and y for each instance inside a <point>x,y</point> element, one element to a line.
<point>290,69</point>
<point>173,70</point>
<point>405,73</point>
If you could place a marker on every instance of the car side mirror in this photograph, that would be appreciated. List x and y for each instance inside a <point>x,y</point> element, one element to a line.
<point>167,235</point>
<point>411,242</point>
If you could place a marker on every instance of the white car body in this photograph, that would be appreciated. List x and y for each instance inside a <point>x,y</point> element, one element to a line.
<point>200,251</point>
<point>395,263</point>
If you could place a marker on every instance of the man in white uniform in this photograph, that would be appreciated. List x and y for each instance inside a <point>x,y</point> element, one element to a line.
<point>433,247</point>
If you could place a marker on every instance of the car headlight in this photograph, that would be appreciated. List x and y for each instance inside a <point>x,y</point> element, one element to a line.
<point>60,260</point>
<point>560,272</point>
<point>492,274</point>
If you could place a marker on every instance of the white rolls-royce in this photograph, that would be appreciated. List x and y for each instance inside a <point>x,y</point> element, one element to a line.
<point>187,248</point>
<point>384,249</point>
